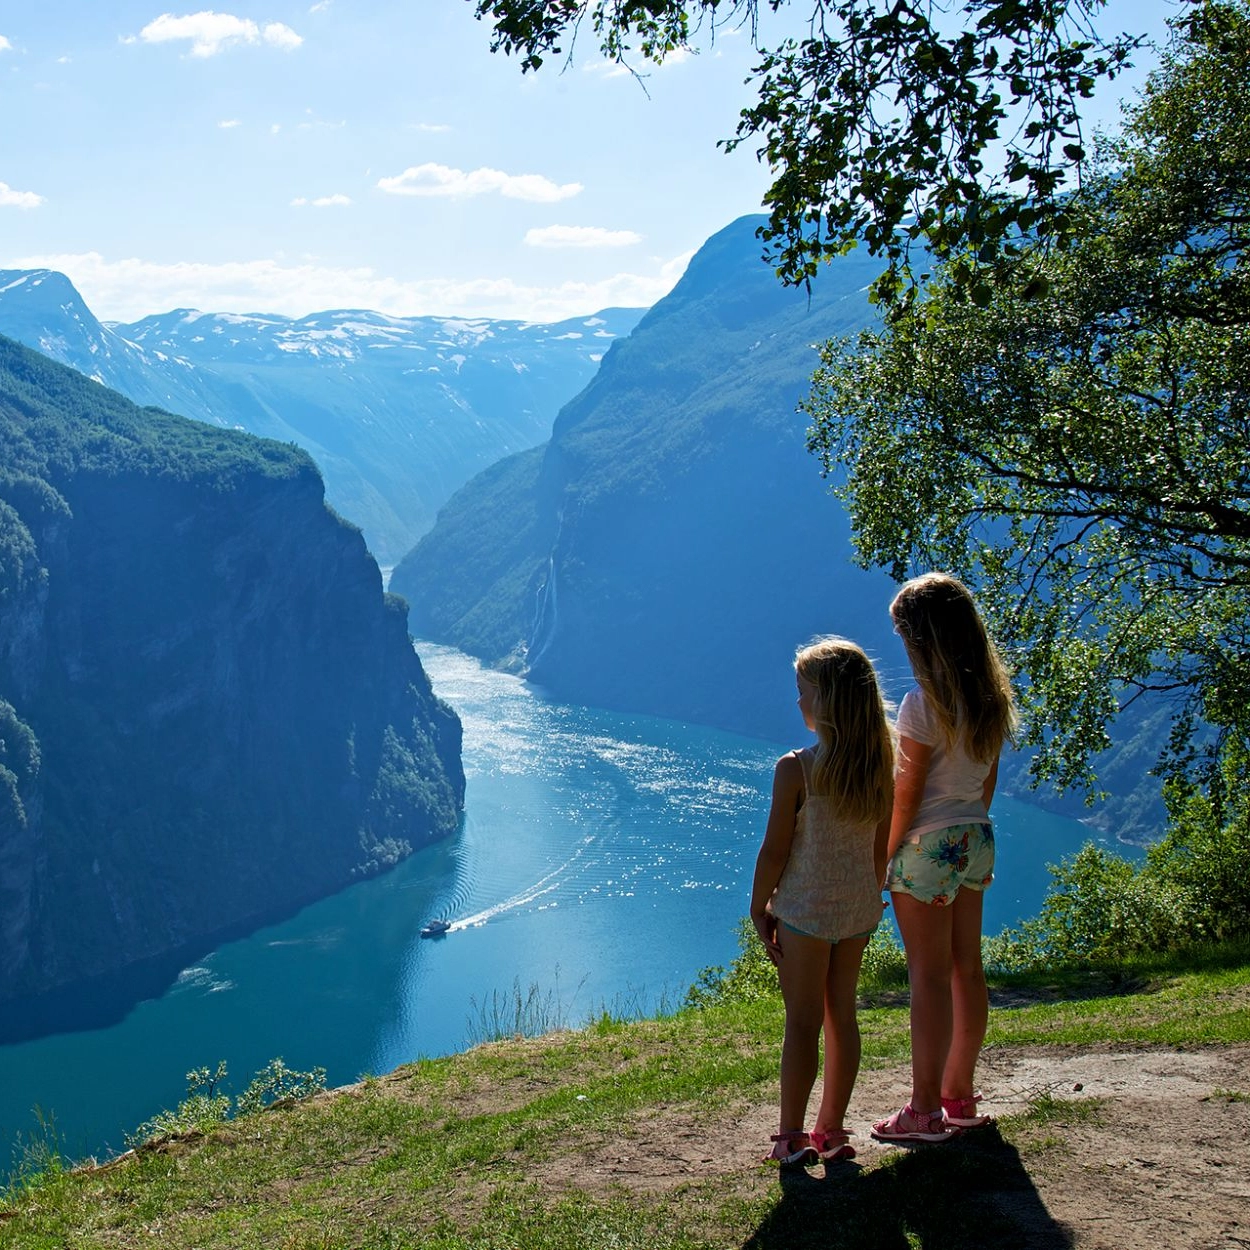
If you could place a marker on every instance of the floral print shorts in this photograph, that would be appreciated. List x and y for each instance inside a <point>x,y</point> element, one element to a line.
<point>939,864</point>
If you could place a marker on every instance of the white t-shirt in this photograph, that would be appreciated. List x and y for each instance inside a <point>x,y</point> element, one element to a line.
<point>955,782</point>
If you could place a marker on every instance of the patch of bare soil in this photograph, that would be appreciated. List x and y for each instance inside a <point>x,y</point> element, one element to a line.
<point>1100,1149</point>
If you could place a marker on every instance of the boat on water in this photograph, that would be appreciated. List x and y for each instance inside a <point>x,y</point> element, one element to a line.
<point>436,928</point>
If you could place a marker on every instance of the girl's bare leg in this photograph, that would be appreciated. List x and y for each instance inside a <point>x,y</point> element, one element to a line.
<point>803,971</point>
<point>926,930</point>
<point>969,999</point>
<point>842,1044</point>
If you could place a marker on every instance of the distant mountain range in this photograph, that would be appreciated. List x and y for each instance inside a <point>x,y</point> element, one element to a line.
<point>397,412</point>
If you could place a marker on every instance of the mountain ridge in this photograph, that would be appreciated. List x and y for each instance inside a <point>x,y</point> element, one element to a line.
<point>397,411</point>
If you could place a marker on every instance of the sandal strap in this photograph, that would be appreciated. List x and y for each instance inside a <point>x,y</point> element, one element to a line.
<point>790,1136</point>
<point>963,1104</point>
<point>923,1119</point>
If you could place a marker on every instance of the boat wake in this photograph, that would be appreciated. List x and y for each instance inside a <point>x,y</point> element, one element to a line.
<point>544,885</point>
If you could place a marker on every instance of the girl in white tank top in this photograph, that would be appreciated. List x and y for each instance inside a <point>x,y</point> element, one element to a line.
<point>816,896</point>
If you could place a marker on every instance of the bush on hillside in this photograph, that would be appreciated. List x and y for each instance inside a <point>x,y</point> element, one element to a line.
<point>752,976</point>
<point>1192,890</point>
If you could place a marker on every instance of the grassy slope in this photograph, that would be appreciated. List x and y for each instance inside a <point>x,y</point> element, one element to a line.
<point>444,1153</point>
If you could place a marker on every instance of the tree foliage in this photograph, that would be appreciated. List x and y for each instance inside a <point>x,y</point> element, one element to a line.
<point>1079,449</point>
<point>954,122</point>
<point>1192,890</point>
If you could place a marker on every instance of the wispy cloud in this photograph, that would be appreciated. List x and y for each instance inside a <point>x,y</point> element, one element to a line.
<point>322,201</point>
<point>606,69</point>
<point>617,69</point>
<point>229,124</point>
<point>126,290</point>
<point>5,45</point>
<point>210,33</point>
<point>18,199</point>
<point>580,236</point>
<point>432,128</point>
<point>431,180</point>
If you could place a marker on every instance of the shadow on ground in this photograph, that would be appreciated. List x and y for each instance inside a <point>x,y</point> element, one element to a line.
<point>969,1194</point>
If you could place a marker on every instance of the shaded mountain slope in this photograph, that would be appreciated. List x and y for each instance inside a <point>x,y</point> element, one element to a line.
<point>210,711</point>
<point>673,542</point>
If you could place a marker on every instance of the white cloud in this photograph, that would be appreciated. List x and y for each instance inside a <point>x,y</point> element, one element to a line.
<point>606,69</point>
<point>323,201</point>
<point>580,236</point>
<point>432,128</point>
<point>278,35</point>
<point>618,69</point>
<point>211,32</point>
<point>5,45</point>
<point>431,179</point>
<point>230,123</point>
<point>18,199</point>
<point>126,290</point>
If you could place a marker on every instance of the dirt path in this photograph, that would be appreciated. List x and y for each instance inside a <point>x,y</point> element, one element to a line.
<point>1124,1150</point>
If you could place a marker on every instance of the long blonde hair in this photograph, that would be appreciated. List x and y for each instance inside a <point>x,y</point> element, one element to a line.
<point>956,663</point>
<point>855,745</point>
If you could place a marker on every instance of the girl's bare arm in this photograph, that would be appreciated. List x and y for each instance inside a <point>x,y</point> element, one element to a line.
<point>911,769</point>
<point>991,781</point>
<point>881,851</point>
<point>775,850</point>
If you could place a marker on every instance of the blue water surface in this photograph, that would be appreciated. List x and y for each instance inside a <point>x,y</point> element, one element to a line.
<point>604,859</point>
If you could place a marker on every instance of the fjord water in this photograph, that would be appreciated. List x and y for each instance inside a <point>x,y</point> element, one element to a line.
<point>603,858</point>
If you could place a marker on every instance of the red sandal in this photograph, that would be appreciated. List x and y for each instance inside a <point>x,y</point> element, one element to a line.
<point>796,1150</point>
<point>832,1147</point>
<point>926,1126</point>
<point>962,1112</point>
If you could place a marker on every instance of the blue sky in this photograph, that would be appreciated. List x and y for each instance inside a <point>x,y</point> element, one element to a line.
<point>271,156</point>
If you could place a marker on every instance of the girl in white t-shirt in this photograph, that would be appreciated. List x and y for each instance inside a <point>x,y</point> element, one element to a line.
<point>951,727</point>
<point>816,894</point>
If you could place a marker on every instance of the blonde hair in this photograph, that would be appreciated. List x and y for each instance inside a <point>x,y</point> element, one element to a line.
<point>956,663</point>
<point>855,744</point>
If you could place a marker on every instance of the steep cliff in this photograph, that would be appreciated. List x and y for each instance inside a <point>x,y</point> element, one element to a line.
<point>673,542</point>
<point>210,713</point>
<point>670,545</point>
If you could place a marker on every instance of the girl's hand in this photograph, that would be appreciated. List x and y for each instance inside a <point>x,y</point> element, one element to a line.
<point>766,926</point>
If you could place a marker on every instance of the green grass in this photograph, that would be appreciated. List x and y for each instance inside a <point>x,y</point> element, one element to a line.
<point>495,1147</point>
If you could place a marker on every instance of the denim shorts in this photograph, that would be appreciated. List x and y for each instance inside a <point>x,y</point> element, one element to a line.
<point>939,864</point>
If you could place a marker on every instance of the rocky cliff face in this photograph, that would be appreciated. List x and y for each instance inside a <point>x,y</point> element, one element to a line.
<point>210,713</point>
<point>673,542</point>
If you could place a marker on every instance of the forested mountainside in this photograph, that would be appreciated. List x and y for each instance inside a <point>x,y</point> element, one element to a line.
<point>210,713</point>
<point>398,412</point>
<point>671,544</point>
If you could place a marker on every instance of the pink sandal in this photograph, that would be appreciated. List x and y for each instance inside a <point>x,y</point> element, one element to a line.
<point>832,1147</point>
<point>796,1150</point>
<point>926,1126</point>
<point>962,1112</point>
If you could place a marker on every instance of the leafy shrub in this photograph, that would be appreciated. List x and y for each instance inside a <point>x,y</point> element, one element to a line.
<point>752,976</point>
<point>885,962</point>
<point>206,1106</point>
<point>1192,890</point>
